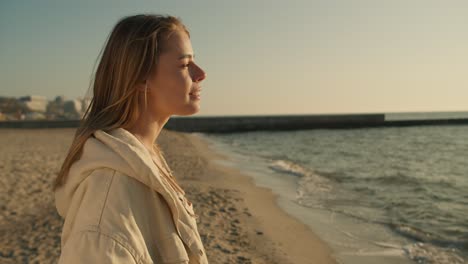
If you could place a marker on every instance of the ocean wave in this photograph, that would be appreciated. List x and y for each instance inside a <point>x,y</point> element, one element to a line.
<point>308,182</point>
<point>336,176</point>
<point>394,179</point>
<point>427,237</point>
<point>418,252</point>
<point>284,166</point>
<point>427,253</point>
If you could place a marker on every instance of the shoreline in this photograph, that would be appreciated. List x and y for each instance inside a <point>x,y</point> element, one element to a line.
<point>272,235</point>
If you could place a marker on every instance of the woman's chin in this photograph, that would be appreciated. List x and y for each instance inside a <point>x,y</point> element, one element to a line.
<point>190,110</point>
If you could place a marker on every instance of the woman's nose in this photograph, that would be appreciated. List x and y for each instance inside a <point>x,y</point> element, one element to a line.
<point>200,75</point>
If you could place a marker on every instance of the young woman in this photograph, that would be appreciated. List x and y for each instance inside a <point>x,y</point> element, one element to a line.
<point>115,191</point>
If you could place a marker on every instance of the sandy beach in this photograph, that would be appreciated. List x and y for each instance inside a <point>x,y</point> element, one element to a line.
<point>239,222</point>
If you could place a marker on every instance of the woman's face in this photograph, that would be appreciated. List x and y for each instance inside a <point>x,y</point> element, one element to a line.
<point>176,76</point>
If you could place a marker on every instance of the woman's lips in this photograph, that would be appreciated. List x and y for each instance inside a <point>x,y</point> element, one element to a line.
<point>195,94</point>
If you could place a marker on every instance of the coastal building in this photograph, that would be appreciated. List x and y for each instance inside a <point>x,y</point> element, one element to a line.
<point>34,103</point>
<point>73,108</point>
<point>33,116</point>
<point>35,107</point>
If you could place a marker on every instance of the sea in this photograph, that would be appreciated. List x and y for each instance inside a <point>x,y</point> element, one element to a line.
<point>374,195</point>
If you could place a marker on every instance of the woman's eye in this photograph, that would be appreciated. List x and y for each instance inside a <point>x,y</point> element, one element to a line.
<point>185,65</point>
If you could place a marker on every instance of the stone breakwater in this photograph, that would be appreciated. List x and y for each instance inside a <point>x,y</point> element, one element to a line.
<point>229,124</point>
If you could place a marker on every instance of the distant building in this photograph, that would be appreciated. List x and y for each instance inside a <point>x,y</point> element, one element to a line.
<point>34,107</point>
<point>34,103</point>
<point>33,116</point>
<point>59,99</point>
<point>10,105</point>
<point>72,109</point>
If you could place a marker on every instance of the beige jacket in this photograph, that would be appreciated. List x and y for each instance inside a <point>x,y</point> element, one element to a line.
<point>118,209</point>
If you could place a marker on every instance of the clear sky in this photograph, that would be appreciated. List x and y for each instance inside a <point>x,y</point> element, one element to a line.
<point>261,57</point>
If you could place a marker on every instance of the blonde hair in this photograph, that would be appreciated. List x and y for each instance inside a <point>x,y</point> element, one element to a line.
<point>129,57</point>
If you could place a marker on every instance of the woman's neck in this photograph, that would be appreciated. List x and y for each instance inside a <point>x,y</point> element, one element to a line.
<point>147,128</point>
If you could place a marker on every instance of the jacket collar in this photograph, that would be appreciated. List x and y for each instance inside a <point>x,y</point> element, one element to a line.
<point>137,158</point>
<point>119,150</point>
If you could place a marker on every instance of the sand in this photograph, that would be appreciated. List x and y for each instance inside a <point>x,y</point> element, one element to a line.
<point>239,222</point>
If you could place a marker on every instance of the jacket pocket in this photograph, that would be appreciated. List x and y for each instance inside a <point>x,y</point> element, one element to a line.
<point>172,249</point>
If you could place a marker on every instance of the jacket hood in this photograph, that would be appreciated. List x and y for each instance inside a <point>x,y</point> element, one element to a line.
<point>119,150</point>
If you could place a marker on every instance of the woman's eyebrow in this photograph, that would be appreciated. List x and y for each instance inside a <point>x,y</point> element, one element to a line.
<point>190,56</point>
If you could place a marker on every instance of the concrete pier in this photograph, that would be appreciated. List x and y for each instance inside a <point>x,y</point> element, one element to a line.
<point>286,122</point>
<point>230,124</point>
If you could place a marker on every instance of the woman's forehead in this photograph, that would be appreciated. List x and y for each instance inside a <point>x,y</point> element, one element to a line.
<point>178,45</point>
